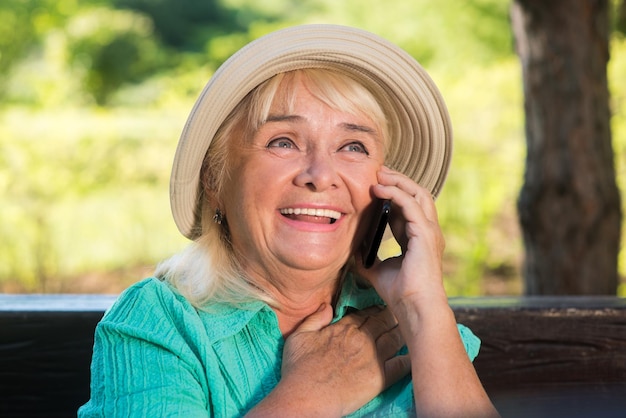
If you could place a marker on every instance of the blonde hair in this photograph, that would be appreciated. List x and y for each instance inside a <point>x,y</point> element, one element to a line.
<point>208,270</point>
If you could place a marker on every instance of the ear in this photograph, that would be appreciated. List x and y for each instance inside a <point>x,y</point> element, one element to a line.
<point>211,201</point>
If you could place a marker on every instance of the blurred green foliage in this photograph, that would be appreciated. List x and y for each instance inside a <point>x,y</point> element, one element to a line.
<point>185,24</point>
<point>93,96</point>
<point>110,48</point>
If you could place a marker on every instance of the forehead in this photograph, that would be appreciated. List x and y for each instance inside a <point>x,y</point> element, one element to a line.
<point>334,90</point>
<point>337,91</point>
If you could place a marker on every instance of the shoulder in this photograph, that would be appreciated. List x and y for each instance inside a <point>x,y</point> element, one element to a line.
<point>153,306</point>
<point>145,298</point>
<point>150,310</point>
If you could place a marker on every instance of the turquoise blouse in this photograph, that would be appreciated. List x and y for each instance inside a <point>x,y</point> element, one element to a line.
<point>155,355</point>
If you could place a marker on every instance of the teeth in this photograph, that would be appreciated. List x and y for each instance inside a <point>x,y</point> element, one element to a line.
<point>326,213</point>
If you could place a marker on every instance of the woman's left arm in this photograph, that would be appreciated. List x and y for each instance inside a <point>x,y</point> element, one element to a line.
<point>444,379</point>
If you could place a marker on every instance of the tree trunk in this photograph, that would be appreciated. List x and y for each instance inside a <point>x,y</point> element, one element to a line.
<point>569,206</point>
<point>620,17</point>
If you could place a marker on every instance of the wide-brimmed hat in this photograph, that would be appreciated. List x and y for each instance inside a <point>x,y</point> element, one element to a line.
<point>419,124</point>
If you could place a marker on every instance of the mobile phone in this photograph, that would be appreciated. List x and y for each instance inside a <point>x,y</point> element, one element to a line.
<point>375,233</point>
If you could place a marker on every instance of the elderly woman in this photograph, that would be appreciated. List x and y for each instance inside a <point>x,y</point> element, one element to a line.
<point>270,311</point>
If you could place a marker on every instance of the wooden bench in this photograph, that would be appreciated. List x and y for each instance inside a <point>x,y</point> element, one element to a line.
<point>551,356</point>
<point>540,356</point>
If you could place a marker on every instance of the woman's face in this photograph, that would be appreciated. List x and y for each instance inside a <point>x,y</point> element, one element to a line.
<point>299,187</point>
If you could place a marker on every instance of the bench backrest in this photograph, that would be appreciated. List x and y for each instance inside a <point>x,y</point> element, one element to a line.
<point>559,356</point>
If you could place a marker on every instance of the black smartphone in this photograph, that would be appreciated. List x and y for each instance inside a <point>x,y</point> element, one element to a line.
<point>375,233</point>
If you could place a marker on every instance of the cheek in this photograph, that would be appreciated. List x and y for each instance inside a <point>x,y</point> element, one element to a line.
<point>360,183</point>
<point>364,200</point>
<point>365,220</point>
<point>249,191</point>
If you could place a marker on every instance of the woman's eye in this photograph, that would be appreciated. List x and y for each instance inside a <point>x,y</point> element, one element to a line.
<point>281,143</point>
<point>356,147</point>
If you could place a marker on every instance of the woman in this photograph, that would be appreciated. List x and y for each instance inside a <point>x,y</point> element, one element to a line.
<point>270,311</point>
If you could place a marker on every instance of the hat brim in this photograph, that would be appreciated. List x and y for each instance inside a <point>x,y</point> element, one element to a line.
<point>420,129</point>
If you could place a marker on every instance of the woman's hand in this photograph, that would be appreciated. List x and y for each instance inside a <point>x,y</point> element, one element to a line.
<point>333,370</point>
<point>417,273</point>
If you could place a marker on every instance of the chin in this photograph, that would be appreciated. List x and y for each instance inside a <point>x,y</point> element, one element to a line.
<point>318,261</point>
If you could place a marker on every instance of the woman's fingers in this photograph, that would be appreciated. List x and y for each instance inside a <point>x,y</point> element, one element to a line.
<point>383,326</point>
<point>318,319</point>
<point>389,343</point>
<point>396,368</point>
<point>376,320</point>
<point>407,194</point>
<point>379,322</point>
<point>413,213</point>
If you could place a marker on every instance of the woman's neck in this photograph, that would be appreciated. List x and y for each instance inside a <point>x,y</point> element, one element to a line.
<point>292,310</point>
<point>297,295</point>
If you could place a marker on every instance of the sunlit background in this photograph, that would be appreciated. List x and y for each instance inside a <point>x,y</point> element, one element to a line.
<point>94,94</point>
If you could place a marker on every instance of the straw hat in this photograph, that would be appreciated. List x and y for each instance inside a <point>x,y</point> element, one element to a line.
<point>420,128</point>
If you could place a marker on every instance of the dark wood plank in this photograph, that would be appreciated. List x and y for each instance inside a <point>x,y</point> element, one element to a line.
<point>540,356</point>
<point>46,343</point>
<point>551,356</point>
<point>528,341</point>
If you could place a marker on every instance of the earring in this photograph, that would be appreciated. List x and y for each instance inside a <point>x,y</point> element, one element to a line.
<point>218,218</point>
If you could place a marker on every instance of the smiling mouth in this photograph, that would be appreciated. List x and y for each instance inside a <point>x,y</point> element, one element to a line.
<point>311,215</point>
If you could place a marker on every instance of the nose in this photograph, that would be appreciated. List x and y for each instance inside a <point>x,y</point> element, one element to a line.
<point>319,173</point>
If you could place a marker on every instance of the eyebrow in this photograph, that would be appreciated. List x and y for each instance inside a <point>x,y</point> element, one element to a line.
<point>358,128</point>
<point>283,118</point>
<point>347,126</point>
